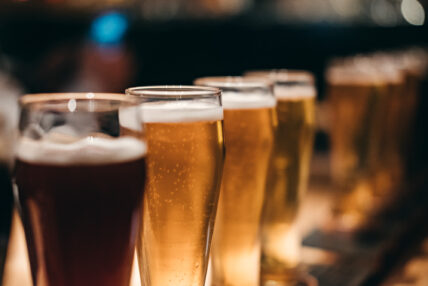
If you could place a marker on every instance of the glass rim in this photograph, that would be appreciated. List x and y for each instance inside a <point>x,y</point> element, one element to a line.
<point>283,75</point>
<point>65,96</point>
<point>238,82</point>
<point>173,91</point>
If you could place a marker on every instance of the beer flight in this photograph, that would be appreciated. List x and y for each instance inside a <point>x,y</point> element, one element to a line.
<point>186,174</point>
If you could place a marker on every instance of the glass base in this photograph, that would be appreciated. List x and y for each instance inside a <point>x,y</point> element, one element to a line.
<point>296,278</point>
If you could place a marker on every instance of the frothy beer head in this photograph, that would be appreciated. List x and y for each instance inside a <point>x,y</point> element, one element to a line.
<point>242,93</point>
<point>88,151</point>
<point>174,112</point>
<point>283,75</point>
<point>294,92</point>
<point>177,104</point>
<point>288,84</point>
<point>78,128</point>
<point>180,111</point>
<point>359,76</point>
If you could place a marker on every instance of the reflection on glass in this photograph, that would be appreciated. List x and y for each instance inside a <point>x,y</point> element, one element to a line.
<point>185,138</point>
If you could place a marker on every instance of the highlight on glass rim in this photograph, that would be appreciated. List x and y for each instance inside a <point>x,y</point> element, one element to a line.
<point>213,143</point>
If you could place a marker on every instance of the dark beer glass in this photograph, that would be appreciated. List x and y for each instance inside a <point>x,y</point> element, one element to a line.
<point>80,187</point>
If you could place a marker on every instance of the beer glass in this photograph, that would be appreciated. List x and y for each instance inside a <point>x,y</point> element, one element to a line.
<point>358,98</point>
<point>185,138</point>
<point>288,176</point>
<point>249,120</point>
<point>80,184</point>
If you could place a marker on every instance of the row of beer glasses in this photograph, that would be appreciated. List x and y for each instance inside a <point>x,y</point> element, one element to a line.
<point>372,102</point>
<point>100,174</point>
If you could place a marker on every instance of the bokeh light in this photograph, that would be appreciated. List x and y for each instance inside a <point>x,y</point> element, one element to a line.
<point>413,12</point>
<point>109,28</point>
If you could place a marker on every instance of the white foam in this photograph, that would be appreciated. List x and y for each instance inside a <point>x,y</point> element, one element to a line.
<point>128,118</point>
<point>88,151</point>
<point>294,92</point>
<point>234,100</point>
<point>349,76</point>
<point>180,111</point>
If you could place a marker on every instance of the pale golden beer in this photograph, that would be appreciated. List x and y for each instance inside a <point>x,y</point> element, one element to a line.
<point>361,102</point>
<point>249,119</point>
<point>287,181</point>
<point>372,101</point>
<point>185,139</point>
<point>351,98</point>
<point>350,103</point>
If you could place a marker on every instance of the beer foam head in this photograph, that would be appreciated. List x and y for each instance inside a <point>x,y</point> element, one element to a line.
<point>129,118</point>
<point>177,103</point>
<point>294,92</point>
<point>348,75</point>
<point>57,149</point>
<point>363,70</point>
<point>242,93</point>
<point>242,100</point>
<point>180,111</point>
<point>283,75</point>
<point>288,84</point>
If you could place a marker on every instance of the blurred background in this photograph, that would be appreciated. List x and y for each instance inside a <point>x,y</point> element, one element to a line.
<point>109,45</point>
<point>53,45</point>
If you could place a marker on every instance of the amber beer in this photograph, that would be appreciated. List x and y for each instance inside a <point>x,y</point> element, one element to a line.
<point>80,190</point>
<point>357,101</point>
<point>289,170</point>
<point>185,138</point>
<point>249,120</point>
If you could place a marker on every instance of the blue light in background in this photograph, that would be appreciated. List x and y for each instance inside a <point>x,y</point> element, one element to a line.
<point>109,28</point>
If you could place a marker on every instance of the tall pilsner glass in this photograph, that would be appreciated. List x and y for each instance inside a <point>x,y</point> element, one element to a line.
<point>288,178</point>
<point>249,120</point>
<point>185,138</point>
<point>357,101</point>
<point>80,183</point>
